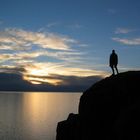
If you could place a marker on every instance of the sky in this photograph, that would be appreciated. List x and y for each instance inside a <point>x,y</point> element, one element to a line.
<point>56,41</point>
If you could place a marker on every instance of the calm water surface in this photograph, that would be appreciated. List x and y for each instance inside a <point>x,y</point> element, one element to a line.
<point>34,115</point>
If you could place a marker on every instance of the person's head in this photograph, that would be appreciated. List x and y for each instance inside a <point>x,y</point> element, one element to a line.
<point>113,51</point>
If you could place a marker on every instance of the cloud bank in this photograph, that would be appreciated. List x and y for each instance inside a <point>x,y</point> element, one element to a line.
<point>15,82</point>
<point>44,57</point>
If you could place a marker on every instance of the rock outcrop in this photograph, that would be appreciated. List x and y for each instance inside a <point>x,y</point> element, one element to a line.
<point>109,110</point>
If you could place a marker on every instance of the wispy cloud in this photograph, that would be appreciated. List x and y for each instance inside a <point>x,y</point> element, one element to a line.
<point>134,41</point>
<point>124,30</point>
<point>21,56</point>
<point>11,69</point>
<point>26,39</point>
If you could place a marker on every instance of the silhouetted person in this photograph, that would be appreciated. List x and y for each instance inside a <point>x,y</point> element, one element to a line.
<point>113,61</point>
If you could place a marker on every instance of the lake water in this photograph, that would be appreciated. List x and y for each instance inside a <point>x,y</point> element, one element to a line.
<point>34,115</point>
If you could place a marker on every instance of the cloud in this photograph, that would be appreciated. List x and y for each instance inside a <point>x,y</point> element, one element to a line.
<point>134,41</point>
<point>124,30</point>
<point>23,56</point>
<point>12,42</point>
<point>24,40</point>
<point>11,69</point>
<point>5,57</point>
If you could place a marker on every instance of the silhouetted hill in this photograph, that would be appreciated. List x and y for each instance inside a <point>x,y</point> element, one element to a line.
<point>108,110</point>
<point>13,82</point>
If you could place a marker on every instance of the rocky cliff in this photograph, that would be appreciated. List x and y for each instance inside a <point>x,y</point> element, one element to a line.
<point>109,110</point>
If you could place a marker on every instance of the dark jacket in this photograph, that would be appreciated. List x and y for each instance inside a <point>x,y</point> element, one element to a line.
<point>113,59</point>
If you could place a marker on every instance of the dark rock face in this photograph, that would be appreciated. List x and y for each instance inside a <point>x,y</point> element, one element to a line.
<point>109,110</point>
<point>69,129</point>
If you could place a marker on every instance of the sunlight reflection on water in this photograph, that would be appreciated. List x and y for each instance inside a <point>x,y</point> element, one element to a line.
<point>34,115</point>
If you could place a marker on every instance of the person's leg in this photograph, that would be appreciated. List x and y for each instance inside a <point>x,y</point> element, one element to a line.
<point>116,69</point>
<point>112,70</point>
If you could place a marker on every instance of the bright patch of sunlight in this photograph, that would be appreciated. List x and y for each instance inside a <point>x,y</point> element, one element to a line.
<point>41,80</point>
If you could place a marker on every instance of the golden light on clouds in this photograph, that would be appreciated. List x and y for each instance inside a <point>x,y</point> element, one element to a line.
<point>39,73</point>
<point>42,80</point>
<point>50,73</point>
<point>20,39</point>
<point>46,69</point>
<point>43,57</point>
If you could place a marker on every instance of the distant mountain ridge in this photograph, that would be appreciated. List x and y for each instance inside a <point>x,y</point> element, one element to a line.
<point>109,110</point>
<point>15,82</point>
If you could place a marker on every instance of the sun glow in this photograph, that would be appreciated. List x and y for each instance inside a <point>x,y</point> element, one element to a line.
<point>40,80</point>
<point>52,73</point>
<point>38,72</point>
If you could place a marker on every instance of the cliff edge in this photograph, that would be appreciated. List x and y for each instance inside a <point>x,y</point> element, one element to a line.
<point>109,110</point>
